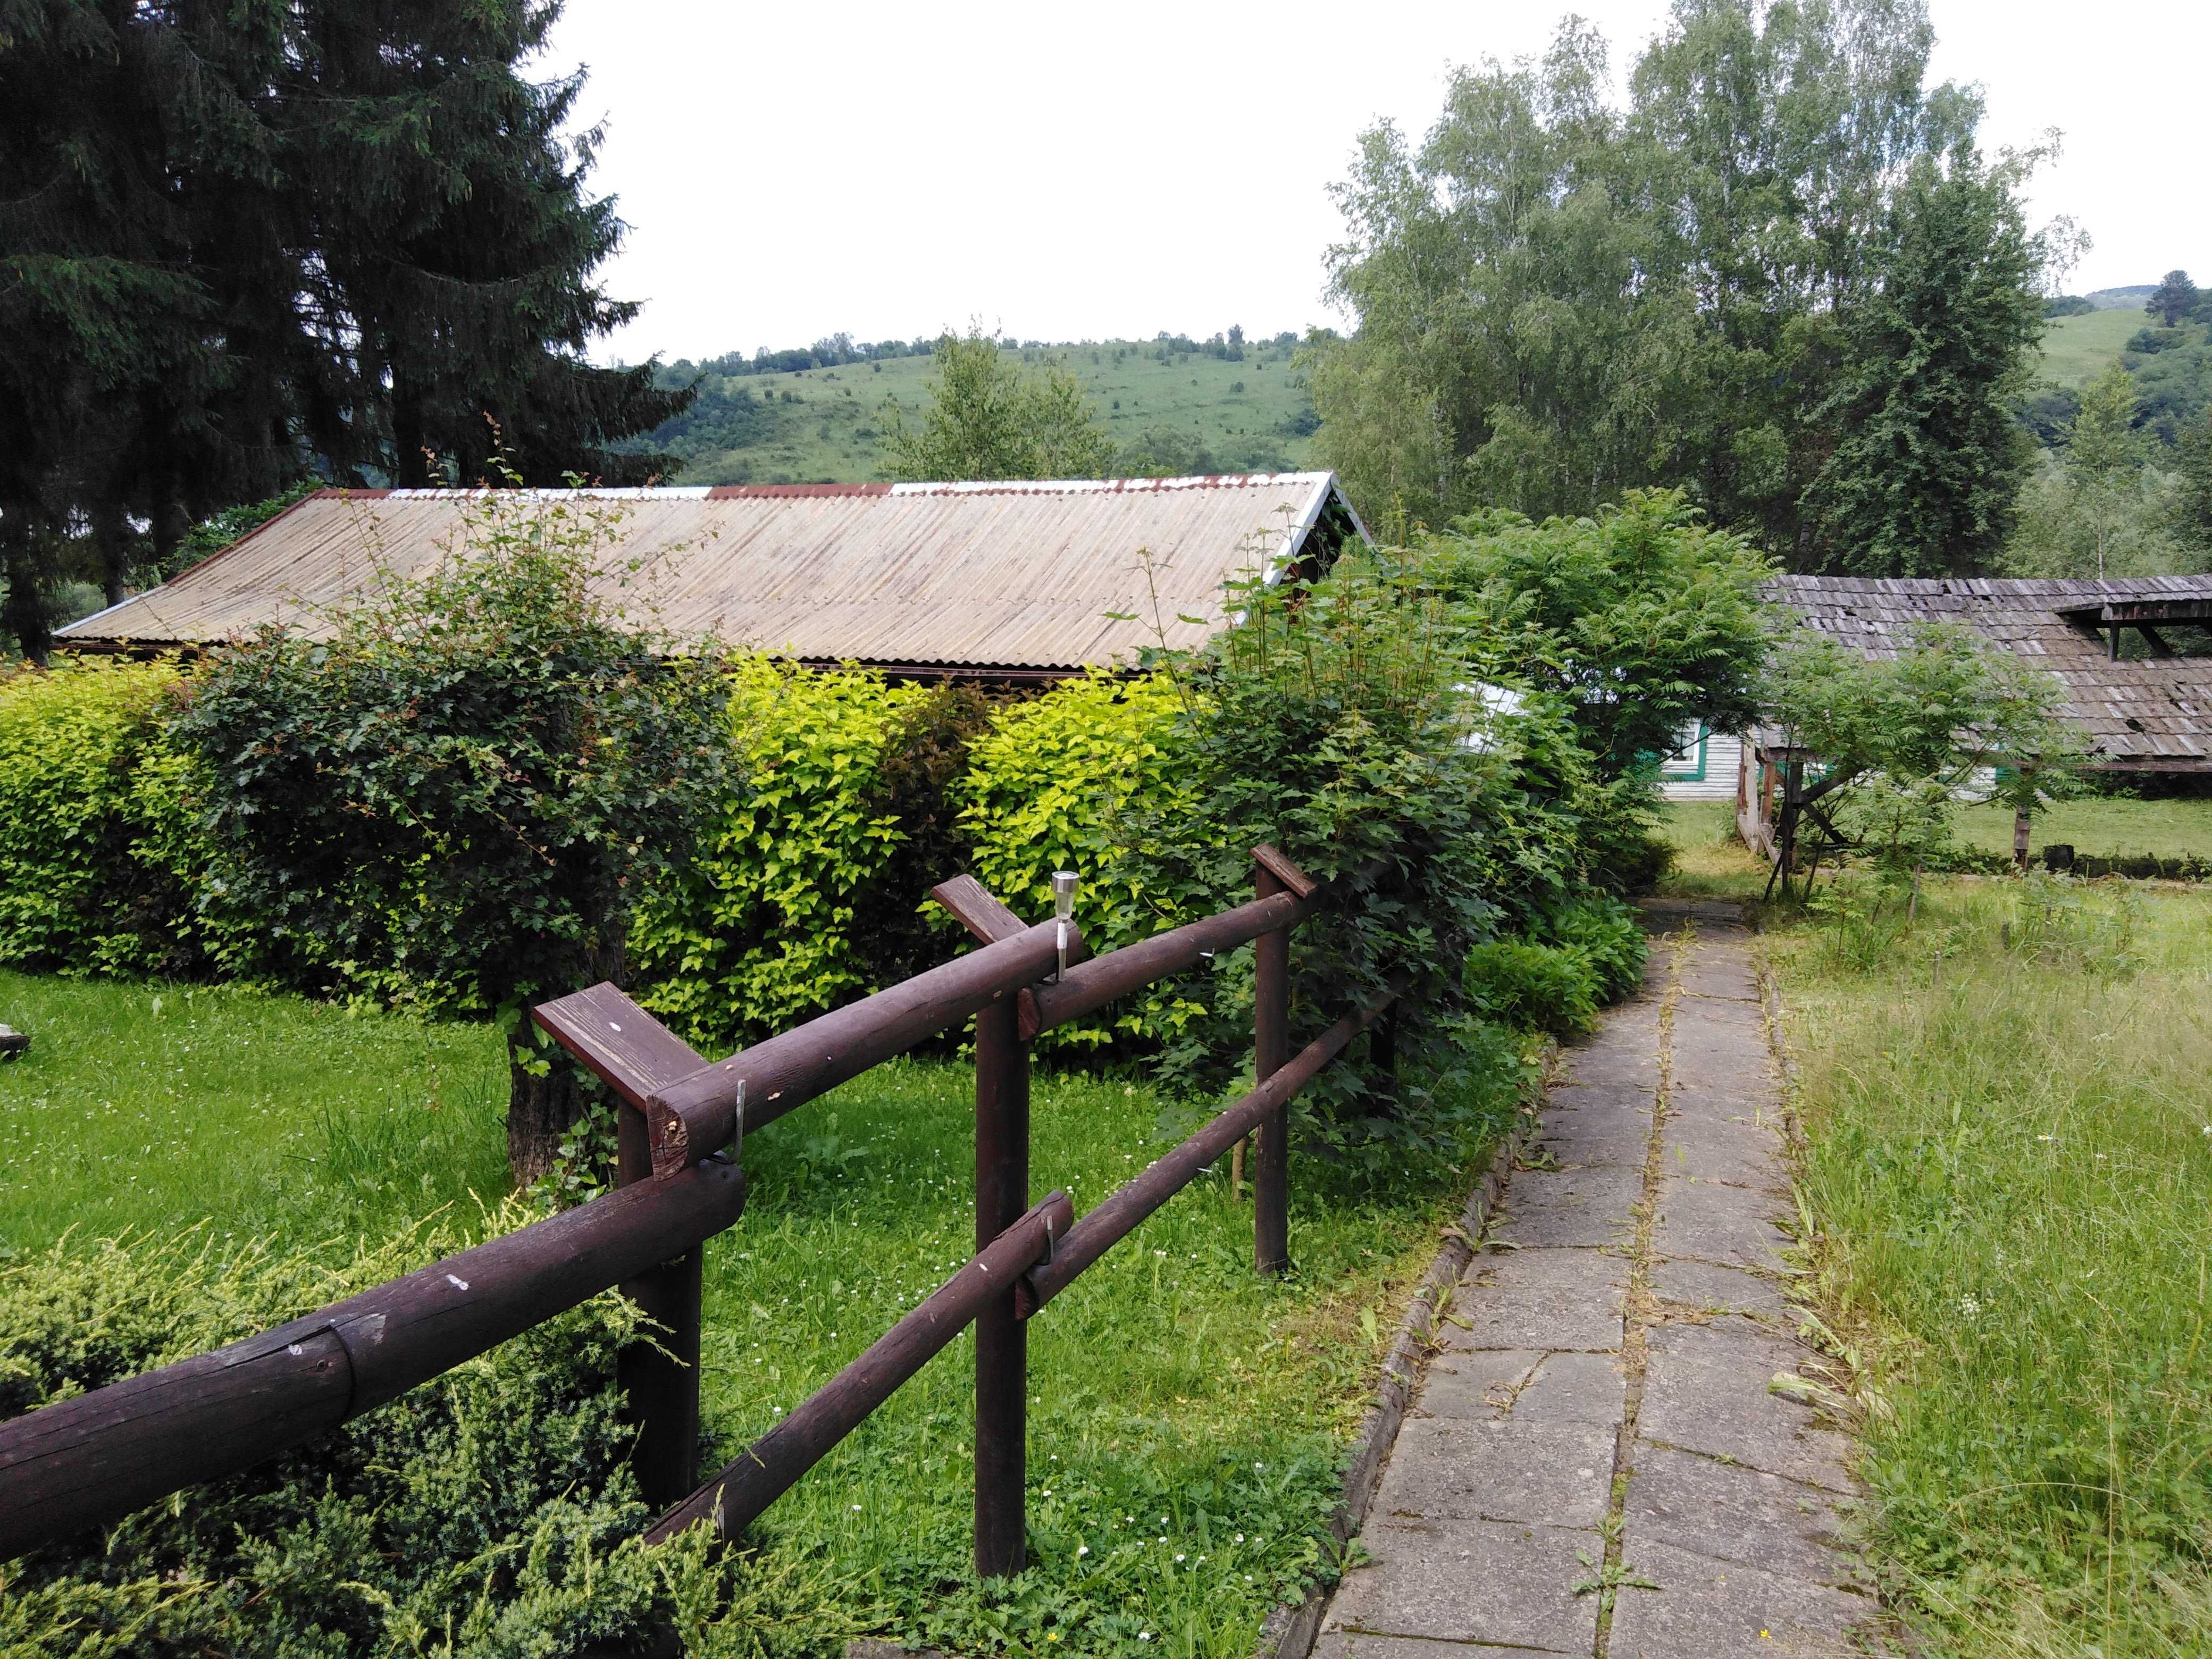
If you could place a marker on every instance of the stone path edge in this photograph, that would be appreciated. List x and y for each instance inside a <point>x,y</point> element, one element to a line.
<point>1290,1632</point>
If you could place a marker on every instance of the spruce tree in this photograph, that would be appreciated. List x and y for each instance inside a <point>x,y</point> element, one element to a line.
<point>243,243</point>
<point>457,242</point>
<point>1930,457</point>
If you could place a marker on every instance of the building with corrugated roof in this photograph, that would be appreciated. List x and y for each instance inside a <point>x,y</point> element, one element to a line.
<point>993,581</point>
<point>2121,649</point>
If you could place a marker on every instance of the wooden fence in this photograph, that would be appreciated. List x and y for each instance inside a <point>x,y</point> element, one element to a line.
<point>90,1460</point>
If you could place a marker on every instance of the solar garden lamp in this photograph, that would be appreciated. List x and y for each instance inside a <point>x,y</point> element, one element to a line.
<point>1063,913</point>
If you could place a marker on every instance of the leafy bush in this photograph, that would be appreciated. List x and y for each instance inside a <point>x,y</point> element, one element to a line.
<point>1060,782</point>
<point>1535,988</point>
<point>1606,934</point>
<point>99,856</point>
<point>454,799</point>
<point>1581,956</point>
<point>762,928</point>
<point>1643,617</point>
<point>489,1512</point>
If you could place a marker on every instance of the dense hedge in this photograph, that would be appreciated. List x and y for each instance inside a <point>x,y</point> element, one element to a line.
<point>1053,785</point>
<point>101,861</point>
<point>857,794</point>
<point>762,929</point>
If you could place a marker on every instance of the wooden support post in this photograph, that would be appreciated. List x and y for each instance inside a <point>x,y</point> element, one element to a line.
<point>1271,1050</point>
<point>1002,1187</point>
<point>634,1053</point>
<point>660,1380</point>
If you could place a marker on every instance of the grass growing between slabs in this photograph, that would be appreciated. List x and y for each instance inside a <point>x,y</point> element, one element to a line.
<point>2009,1162</point>
<point>1189,1419</point>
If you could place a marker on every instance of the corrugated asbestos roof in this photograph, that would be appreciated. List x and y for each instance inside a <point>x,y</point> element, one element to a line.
<point>1011,575</point>
<point>2147,713</point>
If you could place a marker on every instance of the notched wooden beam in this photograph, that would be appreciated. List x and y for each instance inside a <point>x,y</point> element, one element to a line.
<point>629,1050</point>
<point>1280,867</point>
<point>976,908</point>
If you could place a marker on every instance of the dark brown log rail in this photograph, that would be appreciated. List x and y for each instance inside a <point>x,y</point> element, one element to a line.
<point>92,1460</point>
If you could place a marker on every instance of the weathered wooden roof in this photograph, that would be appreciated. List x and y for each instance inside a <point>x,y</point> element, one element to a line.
<point>2143,713</point>
<point>1013,577</point>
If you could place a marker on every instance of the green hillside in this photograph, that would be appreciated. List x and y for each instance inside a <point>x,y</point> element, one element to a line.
<point>1173,410</point>
<point>2076,349</point>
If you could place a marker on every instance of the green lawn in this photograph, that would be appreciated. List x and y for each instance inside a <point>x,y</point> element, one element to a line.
<point>1189,1418</point>
<point>2105,825</point>
<point>823,425</point>
<point>158,1107</point>
<point>1709,859</point>
<point>2008,1160</point>
<point>2077,349</point>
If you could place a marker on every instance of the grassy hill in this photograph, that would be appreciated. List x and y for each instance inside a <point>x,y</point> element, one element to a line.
<point>2076,349</point>
<point>1172,410</point>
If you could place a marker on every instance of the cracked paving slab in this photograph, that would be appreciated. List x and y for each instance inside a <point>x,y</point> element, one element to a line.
<point>1599,1409</point>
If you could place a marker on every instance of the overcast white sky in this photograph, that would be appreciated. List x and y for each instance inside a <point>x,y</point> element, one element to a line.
<point>1070,173</point>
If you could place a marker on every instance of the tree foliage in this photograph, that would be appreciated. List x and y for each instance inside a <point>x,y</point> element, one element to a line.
<point>2104,456</point>
<point>455,797</point>
<point>213,282</point>
<point>987,418</point>
<point>1929,456</point>
<point>1900,741</point>
<point>1641,618</point>
<point>2174,298</point>
<point>1559,301</point>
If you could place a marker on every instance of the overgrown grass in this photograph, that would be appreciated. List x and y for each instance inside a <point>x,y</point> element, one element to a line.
<point>2107,826</point>
<point>1709,862</point>
<point>1189,1419</point>
<point>2009,1158</point>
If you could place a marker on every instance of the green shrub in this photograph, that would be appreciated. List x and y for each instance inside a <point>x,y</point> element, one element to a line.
<point>454,799</point>
<point>490,1513</point>
<point>1532,987</point>
<point>1608,936</point>
<point>762,928</point>
<point>99,856</point>
<point>1059,783</point>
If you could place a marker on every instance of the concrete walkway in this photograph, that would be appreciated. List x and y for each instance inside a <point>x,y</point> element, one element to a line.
<point>1596,1462</point>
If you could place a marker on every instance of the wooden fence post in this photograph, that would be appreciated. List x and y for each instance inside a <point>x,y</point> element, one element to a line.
<point>1271,1051</point>
<point>1002,1195</point>
<point>660,1380</point>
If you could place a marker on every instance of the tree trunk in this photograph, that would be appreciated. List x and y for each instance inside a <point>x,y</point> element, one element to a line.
<point>24,612</point>
<point>539,1111</point>
<point>111,534</point>
<point>172,524</point>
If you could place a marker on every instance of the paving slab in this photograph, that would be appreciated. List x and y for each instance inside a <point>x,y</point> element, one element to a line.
<point>1715,1289</point>
<point>1577,1206</point>
<point>1705,1390</point>
<point>1472,1581</point>
<point>1728,977</point>
<point>1729,1513</point>
<point>1705,1147</point>
<point>1564,1298</point>
<point>1590,1143</point>
<point>1479,1383</point>
<point>1552,1473</point>
<point>1708,1609</point>
<point>1710,1222</point>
